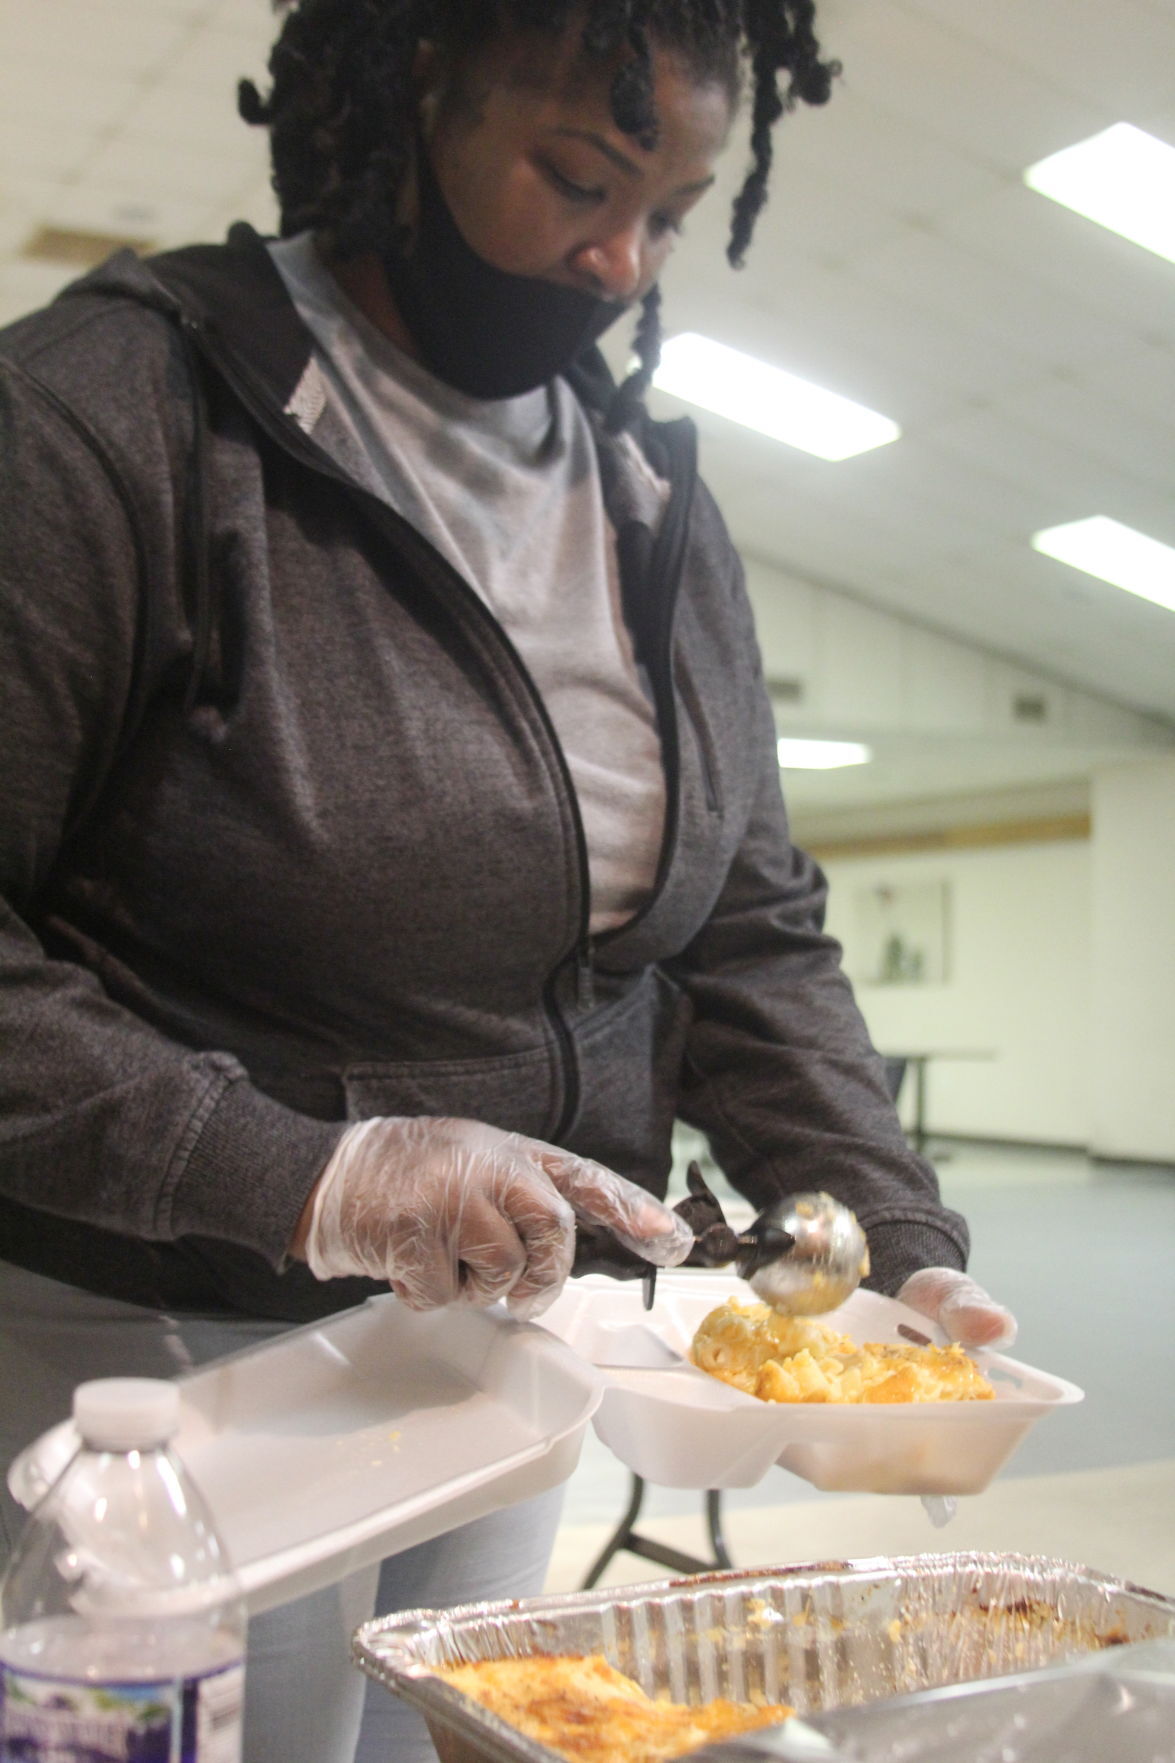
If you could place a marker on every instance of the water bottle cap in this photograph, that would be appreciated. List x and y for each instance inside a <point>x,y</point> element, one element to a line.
<point>126,1413</point>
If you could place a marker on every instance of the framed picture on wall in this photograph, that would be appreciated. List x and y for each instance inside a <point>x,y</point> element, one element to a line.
<point>902,933</point>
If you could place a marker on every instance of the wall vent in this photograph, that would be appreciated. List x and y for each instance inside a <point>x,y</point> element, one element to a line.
<point>786,689</point>
<point>1030,707</point>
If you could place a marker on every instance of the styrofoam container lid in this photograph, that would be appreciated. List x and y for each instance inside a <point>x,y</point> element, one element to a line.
<point>673,1424</point>
<point>353,1438</point>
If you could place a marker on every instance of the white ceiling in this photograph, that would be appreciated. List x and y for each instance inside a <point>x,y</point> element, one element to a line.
<point>1028,355</point>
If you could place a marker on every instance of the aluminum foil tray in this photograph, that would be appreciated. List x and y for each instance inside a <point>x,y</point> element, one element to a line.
<point>1117,1704</point>
<point>828,1635</point>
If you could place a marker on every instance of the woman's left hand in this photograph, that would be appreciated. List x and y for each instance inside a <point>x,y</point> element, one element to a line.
<point>961,1307</point>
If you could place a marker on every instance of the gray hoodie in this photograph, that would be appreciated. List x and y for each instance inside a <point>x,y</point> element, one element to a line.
<point>287,838</point>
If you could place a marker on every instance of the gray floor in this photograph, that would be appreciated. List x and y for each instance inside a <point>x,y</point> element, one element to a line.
<point>1082,1253</point>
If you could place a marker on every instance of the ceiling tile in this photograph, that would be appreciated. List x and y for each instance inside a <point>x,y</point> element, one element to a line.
<point>816,215</point>
<point>141,164</point>
<point>108,208</point>
<point>1067,481</point>
<point>75,95</point>
<point>864,342</point>
<point>206,118</point>
<point>191,12</point>
<point>1137,373</point>
<point>1027,235</point>
<point>959,91</point>
<point>1102,429</point>
<point>215,60</point>
<point>1158,119</point>
<point>34,150</point>
<point>1119,55</point>
<point>880,156</point>
<point>1033,319</point>
<point>132,39</point>
<point>974,499</point>
<point>254,19</point>
<point>14,228</point>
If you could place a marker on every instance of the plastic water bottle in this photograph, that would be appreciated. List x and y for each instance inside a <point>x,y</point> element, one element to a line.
<point>122,1628</point>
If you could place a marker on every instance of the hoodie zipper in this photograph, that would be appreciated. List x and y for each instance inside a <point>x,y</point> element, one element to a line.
<point>661,585</point>
<point>663,581</point>
<point>429,559</point>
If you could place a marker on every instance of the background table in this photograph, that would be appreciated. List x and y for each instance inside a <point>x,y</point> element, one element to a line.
<point>918,1061</point>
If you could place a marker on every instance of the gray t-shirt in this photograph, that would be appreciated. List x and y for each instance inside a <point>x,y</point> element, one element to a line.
<point>509,492</point>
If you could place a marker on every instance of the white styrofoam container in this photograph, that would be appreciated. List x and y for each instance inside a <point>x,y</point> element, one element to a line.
<point>680,1427</point>
<point>361,1435</point>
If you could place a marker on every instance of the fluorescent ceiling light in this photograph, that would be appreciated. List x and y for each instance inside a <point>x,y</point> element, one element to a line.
<point>1114,553</point>
<point>769,400</point>
<point>797,755</point>
<point>1123,178</point>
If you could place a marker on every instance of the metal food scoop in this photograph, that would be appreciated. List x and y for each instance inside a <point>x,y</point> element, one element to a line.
<point>803,1254</point>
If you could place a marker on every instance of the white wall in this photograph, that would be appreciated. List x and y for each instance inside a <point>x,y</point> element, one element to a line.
<point>1133,961</point>
<point>1018,985</point>
<point>858,670</point>
<point>1063,953</point>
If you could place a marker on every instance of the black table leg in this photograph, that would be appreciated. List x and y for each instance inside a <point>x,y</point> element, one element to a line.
<point>714,1525</point>
<point>625,1539</point>
<point>620,1536</point>
<point>919,1134</point>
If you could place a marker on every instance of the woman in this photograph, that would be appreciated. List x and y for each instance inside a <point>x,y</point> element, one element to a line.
<point>392,830</point>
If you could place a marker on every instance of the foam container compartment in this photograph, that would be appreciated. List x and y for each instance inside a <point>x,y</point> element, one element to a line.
<point>817,1637</point>
<point>352,1438</point>
<point>675,1425</point>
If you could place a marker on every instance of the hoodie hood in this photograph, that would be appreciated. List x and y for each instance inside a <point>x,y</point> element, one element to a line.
<point>233,296</point>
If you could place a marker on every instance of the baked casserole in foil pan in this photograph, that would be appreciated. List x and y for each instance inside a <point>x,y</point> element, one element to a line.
<point>825,1635</point>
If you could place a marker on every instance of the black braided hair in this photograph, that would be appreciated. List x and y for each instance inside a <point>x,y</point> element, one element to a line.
<point>341,109</point>
<point>646,346</point>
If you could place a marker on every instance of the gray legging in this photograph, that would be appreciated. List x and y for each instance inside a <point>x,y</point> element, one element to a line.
<point>304,1701</point>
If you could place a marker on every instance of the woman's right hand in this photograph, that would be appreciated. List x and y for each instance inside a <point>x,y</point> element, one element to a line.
<point>455,1211</point>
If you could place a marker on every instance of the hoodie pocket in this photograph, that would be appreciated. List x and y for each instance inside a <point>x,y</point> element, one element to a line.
<point>518,1092</point>
<point>630,1057</point>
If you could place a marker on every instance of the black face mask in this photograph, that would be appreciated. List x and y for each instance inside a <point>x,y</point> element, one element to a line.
<point>482,330</point>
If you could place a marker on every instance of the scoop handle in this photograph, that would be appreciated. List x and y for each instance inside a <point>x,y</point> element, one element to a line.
<point>715,1243</point>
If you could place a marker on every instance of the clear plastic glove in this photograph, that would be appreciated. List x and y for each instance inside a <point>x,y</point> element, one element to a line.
<point>962,1309</point>
<point>455,1211</point>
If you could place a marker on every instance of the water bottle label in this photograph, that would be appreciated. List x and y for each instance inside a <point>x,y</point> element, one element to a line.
<point>176,1720</point>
